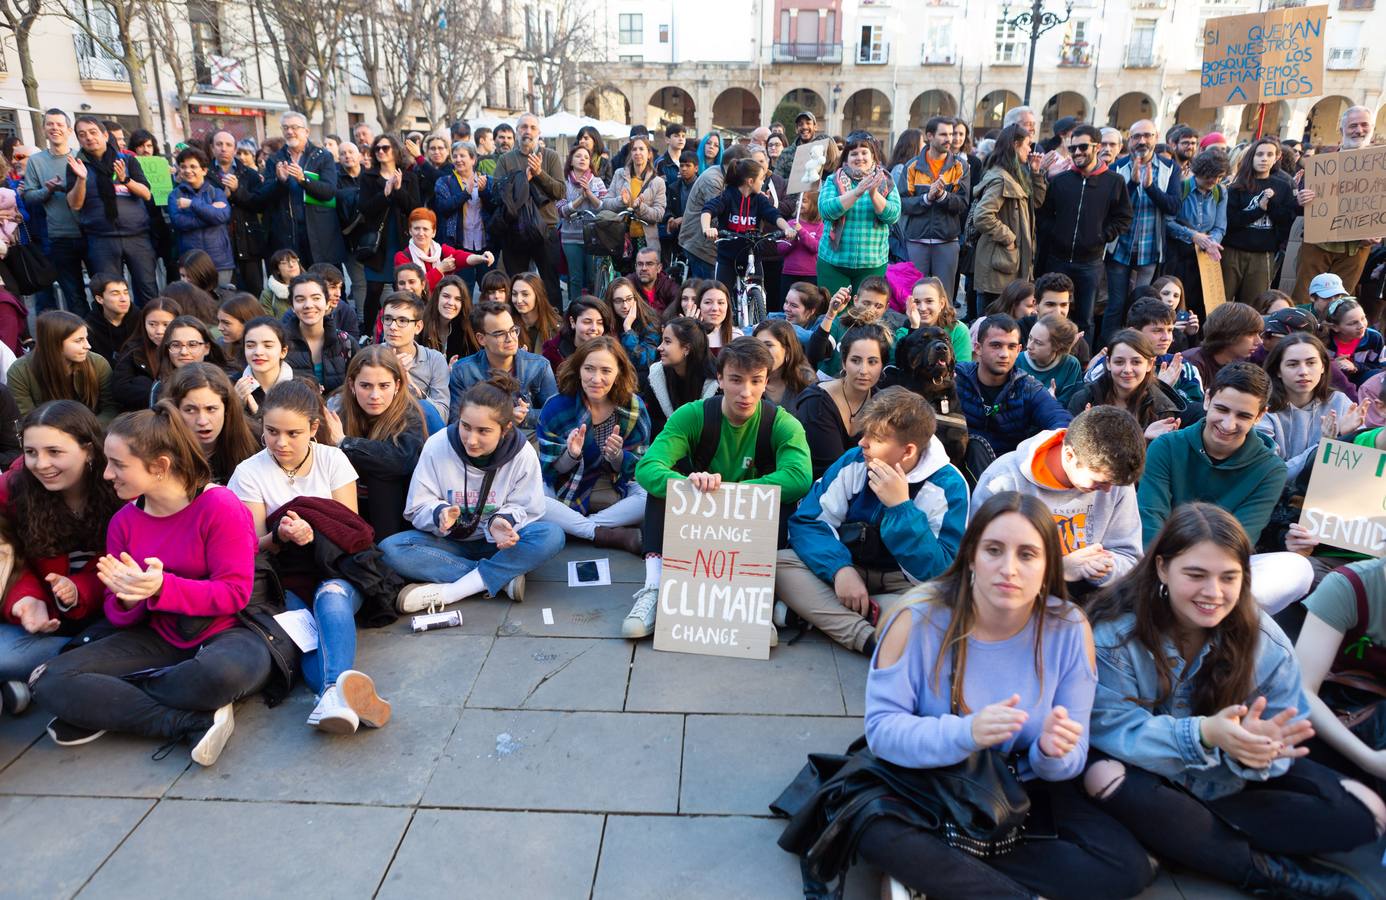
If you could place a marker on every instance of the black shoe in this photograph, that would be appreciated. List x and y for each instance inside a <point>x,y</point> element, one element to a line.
<point>14,697</point>
<point>65,734</point>
<point>1286,876</point>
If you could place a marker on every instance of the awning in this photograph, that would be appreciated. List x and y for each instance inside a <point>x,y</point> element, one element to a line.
<point>241,102</point>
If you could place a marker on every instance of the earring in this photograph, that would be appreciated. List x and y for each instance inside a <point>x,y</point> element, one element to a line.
<point>1164,592</point>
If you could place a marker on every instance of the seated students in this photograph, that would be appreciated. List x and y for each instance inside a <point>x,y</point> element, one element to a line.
<point>401,322</point>
<point>232,315</point>
<point>595,426</point>
<point>495,286</point>
<point>179,567</point>
<point>1223,459</point>
<point>829,409</point>
<point>62,367</point>
<point>1303,405</point>
<point>804,302</point>
<point>1170,290</point>
<point>500,352</point>
<point>714,313</point>
<point>792,374</point>
<point>529,303</point>
<point>585,318</point>
<point>1002,404</point>
<point>293,466</point>
<point>1199,705</point>
<point>380,428</point>
<point>109,324</point>
<point>204,397</point>
<point>636,323</point>
<point>1085,475</point>
<point>1016,300</point>
<point>740,415</point>
<point>265,343</point>
<point>871,307</point>
<point>186,341</point>
<point>410,277</point>
<point>887,515</point>
<point>1130,381</point>
<point>1046,357</point>
<point>284,267</point>
<point>477,503</point>
<point>1233,333</point>
<point>959,671</point>
<point>1355,348</point>
<point>682,374</point>
<point>447,321</point>
<point>1344,612</point>
<point>54,511</point>
<point>1154,319</point>
<point>928,304</point>
<point>740,210</point>
<point>315,349</point>
<point>132,376</point>
<point>340,316</point>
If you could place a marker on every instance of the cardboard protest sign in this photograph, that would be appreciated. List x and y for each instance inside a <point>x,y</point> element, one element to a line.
<point>1263,57</point>
<point>1210,277</point>
<point>1345,505</point>
<point>807,170</point>
<point>1350,189</point>
<point>718,589</point>
<point>156,172</point>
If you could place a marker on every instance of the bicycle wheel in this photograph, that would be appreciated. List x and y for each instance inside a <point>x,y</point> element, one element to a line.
<point>755,302</point>
<point>605,274</point>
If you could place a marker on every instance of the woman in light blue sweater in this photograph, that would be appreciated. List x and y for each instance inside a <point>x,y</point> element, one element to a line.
<point>992,656</point>
<point>1304,407</point>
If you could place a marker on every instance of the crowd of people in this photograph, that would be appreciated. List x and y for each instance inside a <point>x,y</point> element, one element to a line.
<point>372,377</point>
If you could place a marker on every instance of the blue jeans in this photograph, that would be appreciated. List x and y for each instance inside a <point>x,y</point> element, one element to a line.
<point>334,609</point>
<point>112,254</point>
<point>437,560</point>
<point>1085,276</point>
<point>22,652</point>
<point>582,270</point>
<point>699,269</point>
<point>1121,281</point>
<point>65,253</point>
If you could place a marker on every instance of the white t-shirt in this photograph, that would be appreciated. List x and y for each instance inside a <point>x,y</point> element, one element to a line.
<point>260,480</point>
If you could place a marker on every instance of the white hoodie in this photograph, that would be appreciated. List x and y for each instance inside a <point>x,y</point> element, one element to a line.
<point>441,479</point>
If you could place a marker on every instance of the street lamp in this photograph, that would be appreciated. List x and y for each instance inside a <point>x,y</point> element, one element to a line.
<point>1038,21</point>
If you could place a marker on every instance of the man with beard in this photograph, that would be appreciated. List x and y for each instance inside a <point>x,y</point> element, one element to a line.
<point>240,182</point>
<point>806,132</point>
<point>935,193</point>
<point>299,197</point>
<point>1183,141</point>
<point>1346,259</point>
<point>1002,404</point>
<point>1153,190</point>
<point>542,172</point>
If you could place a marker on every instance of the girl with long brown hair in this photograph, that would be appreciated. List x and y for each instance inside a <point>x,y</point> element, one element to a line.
<point>1130,381</point>
<point>137,366</point>
<point>1201,709</point>
<point>209,406</point>
<point>791,373</point>
<point>990,655</point>
<point>447,321</point>
<point>62,367</point>
<point>535,315</point>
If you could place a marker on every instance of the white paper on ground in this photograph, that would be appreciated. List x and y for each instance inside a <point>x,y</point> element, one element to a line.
<point>299,625</point>
<point>603,573</point>
<point>548,616</point>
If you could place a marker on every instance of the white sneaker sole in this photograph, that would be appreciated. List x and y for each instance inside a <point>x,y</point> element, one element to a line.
<point>358,692</point>
<point>340,722</point>
<point>208,750</point>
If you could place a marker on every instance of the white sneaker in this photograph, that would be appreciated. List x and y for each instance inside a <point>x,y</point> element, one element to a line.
<point>333,715</point>
<point>515,589</point>
<point>357,691</point>
<point>774,636</point>
<point>639,622</point>
<point>894,890</point>
<point>418,597</point>
<point>213,741</point>
<point>780,615</point>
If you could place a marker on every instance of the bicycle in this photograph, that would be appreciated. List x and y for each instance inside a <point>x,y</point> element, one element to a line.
<point>749,306</point>
<point>604,238</point>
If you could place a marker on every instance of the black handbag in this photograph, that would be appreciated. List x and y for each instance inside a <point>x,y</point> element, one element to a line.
<point>367,243</point>
<point>31,270</point>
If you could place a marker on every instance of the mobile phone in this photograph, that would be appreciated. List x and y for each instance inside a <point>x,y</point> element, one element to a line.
<point>1182,316</point>
<point>587,571</point>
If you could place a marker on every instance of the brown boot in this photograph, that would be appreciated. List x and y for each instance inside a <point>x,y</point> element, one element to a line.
<point>627,539</point>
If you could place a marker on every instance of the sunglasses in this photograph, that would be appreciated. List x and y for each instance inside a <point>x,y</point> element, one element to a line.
<point>385,147</point>
<point>1080,148</point>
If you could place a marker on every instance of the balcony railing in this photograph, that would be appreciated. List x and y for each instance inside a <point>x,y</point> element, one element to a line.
<point>93,64</point>
<point>826,54</point>
<point>1075,54</point>
<point>1346,57</point>
<point>1141,58</point>
<point>873,55</point>
<point>930,55</point>
<point>1363,5</point>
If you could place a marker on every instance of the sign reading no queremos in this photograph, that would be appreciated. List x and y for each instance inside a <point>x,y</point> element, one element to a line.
<point>718,589</point>
<point>1350,195</point>
<point>1263,57</point>
<point>1345,505</point>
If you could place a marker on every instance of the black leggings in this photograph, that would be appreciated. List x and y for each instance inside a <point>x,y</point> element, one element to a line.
<point>1301,813</point>
<point>1092,857</point>
<point>137,683</point>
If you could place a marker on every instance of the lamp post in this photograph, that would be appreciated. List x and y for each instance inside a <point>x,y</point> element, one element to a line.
<point>1037,21</point>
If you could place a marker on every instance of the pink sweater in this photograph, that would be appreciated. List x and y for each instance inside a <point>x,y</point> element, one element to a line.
<point>208,552</point>
<point>801,255</point>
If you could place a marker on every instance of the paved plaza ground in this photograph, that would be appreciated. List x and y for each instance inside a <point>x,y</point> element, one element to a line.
<point>524,760</point>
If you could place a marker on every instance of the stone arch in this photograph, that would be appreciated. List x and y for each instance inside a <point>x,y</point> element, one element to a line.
<point>795,102</point>
<point>1277,117</point>
<point>868,110</point>
<point>668,105</point>
<point>607,102</point>
<point>736,109</point>
<point>1130,107</point>
<point>929,104</point>
<point>1064,103</point>
<point>1191,114</point>
<point>991,109</point>
<point>1321,128</point>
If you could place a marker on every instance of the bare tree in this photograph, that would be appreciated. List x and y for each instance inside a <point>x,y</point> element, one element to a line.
<point>390,40</point>
<point>110,26</point>
<point>18,17</point>
<point>558,35</point>
<point>166,22</point>
<point>473,44</point>
<point>303,38</point>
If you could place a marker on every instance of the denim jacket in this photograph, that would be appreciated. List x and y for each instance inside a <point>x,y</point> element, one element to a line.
<point>1164,738</point>
<point>532,371</point>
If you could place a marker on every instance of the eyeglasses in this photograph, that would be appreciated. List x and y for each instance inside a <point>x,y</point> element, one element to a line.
<point>1143,134</point>
<point>179,346</point>
<point>511,332</point>
<point>1085,147</point>
<point>388,321</point>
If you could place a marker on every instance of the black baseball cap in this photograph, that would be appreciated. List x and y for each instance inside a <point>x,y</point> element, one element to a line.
<point>1289,321</point>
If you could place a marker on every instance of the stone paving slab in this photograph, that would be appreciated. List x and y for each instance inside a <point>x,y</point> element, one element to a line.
<point>625,568</point>
<point>477,853</point>
<point>18,733</point>
<point>594,612</point>
<point>189,848</point>
<point>479,616</point>
<point>738,764</point>
<point>554,673</point>
<point>54,844</point>
<point>111,766</point>
<point>429,669</point>
<point>562,761</point>
<point>275,756</point>
<point>797,680</point>
<point>851,674</point>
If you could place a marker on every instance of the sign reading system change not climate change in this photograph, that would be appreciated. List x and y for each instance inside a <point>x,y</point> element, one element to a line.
<point>1263,57</point>
<point>717,593</point>
<point>1345,505</point>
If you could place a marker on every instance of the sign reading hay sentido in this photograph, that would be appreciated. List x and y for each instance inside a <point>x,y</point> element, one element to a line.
<point>718,589</point>
<point>1349,195</point>
<point>1262,57</point>
<point>1345,505</point>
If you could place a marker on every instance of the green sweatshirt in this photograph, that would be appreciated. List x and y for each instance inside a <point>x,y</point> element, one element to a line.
<point>736,452</point>
<point>1178,470</point>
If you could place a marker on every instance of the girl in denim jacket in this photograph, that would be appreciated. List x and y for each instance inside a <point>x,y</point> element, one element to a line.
<point>1199,709</point>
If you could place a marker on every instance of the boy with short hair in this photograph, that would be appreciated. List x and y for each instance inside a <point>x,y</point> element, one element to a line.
<point>1086,475</point>
<point>499,334</point>
<point>1155,319</point>
<point>401,322</point>
<point>756,442</point>
<point>888,515</point>
<point>1232,333</point>
<point>1054,294</point>
<point>870,305</point>
<point>109,324</point>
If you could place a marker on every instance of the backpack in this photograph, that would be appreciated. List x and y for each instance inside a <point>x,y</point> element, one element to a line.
<point>706,449</point>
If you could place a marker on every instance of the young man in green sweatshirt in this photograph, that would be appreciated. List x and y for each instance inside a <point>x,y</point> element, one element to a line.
<point>743,369</point>
<point>1224,460</point>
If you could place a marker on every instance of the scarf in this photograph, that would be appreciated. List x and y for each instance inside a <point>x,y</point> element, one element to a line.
<point>105,177</point>
<point>428,260</point>
<point>847,176</point>
<point>581,179</point>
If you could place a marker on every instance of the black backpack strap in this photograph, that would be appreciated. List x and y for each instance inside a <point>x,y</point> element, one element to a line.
<point>765,448</point>
<point>711,434</point>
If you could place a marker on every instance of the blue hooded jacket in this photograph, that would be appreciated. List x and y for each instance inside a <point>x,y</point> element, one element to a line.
<point>1023,408</point>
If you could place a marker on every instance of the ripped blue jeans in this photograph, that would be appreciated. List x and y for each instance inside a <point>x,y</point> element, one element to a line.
<point>335,603</point>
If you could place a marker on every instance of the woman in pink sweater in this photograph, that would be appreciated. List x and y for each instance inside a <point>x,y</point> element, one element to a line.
<point>179,566</point>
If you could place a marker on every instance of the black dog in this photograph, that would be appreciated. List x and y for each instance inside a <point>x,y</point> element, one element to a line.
<point>924,363</point>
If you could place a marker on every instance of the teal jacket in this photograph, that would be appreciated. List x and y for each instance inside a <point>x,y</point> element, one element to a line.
<point>1178,470</point>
